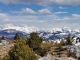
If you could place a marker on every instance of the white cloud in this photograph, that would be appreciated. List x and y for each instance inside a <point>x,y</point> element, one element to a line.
<point>26,19</point>
<point>43,2</point>
<point>44,11</point>
<point>47,20</point>
<point>62,7</point>
<point>3,16</point>
<point>76,16</point>
<point>63,24</point>
<point>6,20</point>
<point>27,10</point>
<point>60,12</point>
<point>30,11</point>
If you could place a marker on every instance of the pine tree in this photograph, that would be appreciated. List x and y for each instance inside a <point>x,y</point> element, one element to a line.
<point>21,37</point>
<point>34,41</point>
<point>20,51</point>
<point>3,38</point>
<point>16,36</point>
<point>69,40</point>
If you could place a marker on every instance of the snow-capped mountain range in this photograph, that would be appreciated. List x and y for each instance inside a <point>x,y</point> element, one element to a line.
<point>24,28</point>
<point>10,30</point>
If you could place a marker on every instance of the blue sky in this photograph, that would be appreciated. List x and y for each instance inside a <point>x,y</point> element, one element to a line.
<point>42,14</point>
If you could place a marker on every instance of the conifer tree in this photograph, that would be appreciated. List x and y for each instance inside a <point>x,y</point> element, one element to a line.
<point>69,40</point>
<point>34,41</point>
<point>20,51</point>
<point>16,36</point>
<point>3,38</point>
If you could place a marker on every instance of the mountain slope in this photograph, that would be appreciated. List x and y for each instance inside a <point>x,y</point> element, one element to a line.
<point>10,30</point>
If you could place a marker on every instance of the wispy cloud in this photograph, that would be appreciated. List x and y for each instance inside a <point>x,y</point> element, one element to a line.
<point>60,12</point>
<point>47,20</point>
<point>62,7</point>
<point>3,16</point>
<point>76,16</point>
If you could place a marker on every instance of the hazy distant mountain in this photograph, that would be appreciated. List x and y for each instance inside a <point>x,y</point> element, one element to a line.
<point>10,30</point>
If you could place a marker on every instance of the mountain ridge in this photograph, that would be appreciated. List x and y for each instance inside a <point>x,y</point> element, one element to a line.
<point>10,30</point>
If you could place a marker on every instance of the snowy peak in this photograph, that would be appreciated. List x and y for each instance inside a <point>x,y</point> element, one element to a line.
<point>25,28</point>
<point>52,30</point>
<point>29,29</point>
<point>10,30</point>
